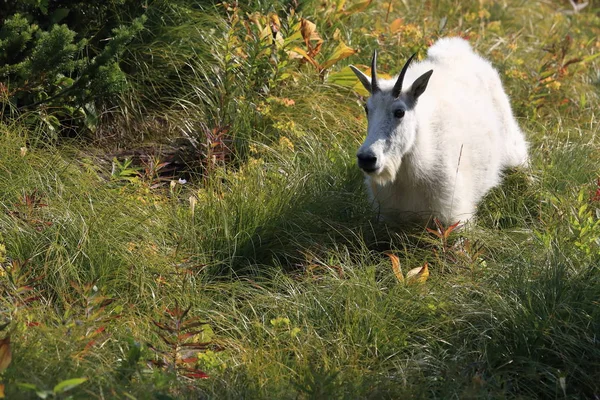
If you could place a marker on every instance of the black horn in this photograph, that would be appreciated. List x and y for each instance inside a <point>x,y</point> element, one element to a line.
<point>374,86</point>
<point>398,85</point>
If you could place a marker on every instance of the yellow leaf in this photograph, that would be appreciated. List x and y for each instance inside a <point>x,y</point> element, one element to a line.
<point>293,55</point>
<point>266,35</point>
<point>286,144</point>
<point>341,51</point>
<point>5,353</point>
<point>275,22</point>
<point>396,267</point>
<point>2,395</point>
<point>23,151</point>
<point>417,275</point>
<point>358,7</point>
<point>337,34</point>
<point>304,55</point>
<point>340,5</point>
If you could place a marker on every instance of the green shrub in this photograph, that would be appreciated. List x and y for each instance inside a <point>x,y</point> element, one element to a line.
<point>55,74</point>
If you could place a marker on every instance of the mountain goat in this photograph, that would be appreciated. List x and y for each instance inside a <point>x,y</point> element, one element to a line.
<point>439,135</point>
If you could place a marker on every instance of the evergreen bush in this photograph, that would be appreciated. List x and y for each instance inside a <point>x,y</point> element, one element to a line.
<point>59,60</point>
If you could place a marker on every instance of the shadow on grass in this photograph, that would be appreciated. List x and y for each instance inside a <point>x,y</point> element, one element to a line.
<point>318,222</point>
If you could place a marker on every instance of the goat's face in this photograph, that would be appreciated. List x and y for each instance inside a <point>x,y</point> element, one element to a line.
<point>392,123</point>
<point>390,134</point>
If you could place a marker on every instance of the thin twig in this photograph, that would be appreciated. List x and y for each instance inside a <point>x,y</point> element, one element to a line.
<point>388,11</point>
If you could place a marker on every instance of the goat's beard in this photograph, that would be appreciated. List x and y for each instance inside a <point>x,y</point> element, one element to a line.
<point>388,172</point>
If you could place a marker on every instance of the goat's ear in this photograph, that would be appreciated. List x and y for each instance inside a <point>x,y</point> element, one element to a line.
<point>419,86</point>
<point>364,79</point>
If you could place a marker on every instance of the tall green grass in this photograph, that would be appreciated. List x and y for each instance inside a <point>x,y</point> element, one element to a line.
<point>277,248</point>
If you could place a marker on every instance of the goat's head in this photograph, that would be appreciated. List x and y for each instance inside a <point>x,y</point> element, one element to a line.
<point>392,122</point>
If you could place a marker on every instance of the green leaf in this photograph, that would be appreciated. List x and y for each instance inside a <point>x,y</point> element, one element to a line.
<point>28,386</point>
<point>345,77</point>
<point>43,394</point>
<point>591,58</point>
<point>340,5</point>
<point>68,385</point>
<point>59,14</point>
<point>43,6</point>
<point>91,117</point>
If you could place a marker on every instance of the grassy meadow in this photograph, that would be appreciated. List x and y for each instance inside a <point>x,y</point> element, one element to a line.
<point>259,271</point>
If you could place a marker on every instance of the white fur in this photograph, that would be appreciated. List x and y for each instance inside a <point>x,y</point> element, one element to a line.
<point>450,148</point>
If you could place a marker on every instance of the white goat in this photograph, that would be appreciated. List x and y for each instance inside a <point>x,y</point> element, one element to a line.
<point>438,152</point>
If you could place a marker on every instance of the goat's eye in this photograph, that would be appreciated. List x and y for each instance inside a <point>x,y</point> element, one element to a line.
<point>399,113</point>
<point>366,110</point>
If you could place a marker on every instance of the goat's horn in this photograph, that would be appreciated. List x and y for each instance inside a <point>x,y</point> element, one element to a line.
<point>374,86</point>
<point>398,85</point>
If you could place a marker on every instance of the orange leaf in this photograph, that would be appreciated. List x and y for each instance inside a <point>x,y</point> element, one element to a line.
<point>396,25</point>
<point>396,266</point>
<point>309,32</point>
<point>189,360</point>
<point>2,395</point>
<point>449,229</point>
<point>5,353</point>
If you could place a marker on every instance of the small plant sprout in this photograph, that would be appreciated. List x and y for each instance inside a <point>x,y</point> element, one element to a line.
<point>439,135</point>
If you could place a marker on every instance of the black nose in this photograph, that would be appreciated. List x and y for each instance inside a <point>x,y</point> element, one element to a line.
<point>367,161</point>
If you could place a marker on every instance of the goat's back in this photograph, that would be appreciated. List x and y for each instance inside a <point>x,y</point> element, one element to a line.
<point>467,133</point>
<point>476,85</point>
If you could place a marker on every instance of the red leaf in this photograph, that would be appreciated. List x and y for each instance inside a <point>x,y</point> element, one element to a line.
<point>450,229</point>
<point>88,345</point>
<point>99,330</point>
<point>195,345</point>
<point>436,233</point>
<point>31,299</point>
<point>196,375</point>
<point>163,326</point>
<point>188,335</point>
